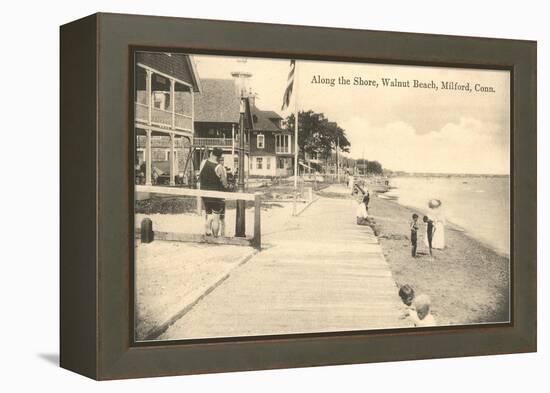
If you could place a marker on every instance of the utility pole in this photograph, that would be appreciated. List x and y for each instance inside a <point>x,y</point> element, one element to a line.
<point>243,91</point>
<point>240,223</point>
<point>296,128</point>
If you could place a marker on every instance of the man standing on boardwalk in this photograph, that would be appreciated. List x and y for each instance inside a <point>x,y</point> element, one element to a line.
<point>213,177</point>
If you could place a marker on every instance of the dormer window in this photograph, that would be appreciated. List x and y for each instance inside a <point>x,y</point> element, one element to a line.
<point>278,122</point>
<point>260,141</point>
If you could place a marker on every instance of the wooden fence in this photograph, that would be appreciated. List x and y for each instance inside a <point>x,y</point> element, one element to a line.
<point>255,241</point>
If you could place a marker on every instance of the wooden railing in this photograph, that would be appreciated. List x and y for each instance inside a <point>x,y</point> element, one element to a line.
<point>217,142</point>
<point>163,142</point>
<point>162,118</point>
<point>283,150</point>
<point>225,142</point>
<point>255,241</point>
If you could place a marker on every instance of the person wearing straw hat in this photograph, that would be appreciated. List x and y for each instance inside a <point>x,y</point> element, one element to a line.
<point>437,218</point>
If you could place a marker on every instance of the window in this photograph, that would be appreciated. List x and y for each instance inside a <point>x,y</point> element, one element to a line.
<point>259,162</point>
<point>260,141</point>
<point>140,156</point>
<point>161,100</point>
<point>281,163</point>
<point>167,153</point>
<point>268,163</point>
<point>282,143</point>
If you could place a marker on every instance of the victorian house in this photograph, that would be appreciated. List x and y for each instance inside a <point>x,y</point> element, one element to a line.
<point>164,120</point>
<point>271,146</point>
<point>217,121</point>
<point>268,147</point>
<point>175,127</point>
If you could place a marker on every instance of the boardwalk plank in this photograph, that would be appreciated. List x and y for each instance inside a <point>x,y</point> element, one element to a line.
<point>327,275</point>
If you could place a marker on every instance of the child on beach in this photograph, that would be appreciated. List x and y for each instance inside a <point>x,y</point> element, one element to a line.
<point>406,293</point>
<point>414,233</point>
<point>429,232</point>
<point>421,315</point>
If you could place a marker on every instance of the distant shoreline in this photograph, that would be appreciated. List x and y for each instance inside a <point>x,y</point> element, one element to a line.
<point>459,175</point>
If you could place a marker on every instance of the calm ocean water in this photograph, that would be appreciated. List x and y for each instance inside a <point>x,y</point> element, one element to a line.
<point>480,205</point>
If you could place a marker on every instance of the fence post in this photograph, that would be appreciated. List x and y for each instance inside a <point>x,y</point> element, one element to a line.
<point>310,194</point>
<point>199,205</point>
<point>257,240</point>
<point>147,234</point>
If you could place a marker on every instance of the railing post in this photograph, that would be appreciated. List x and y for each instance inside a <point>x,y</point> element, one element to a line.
<point>192,111</point>
<point>257,240</point>
<point>173,102</point>
<point>233,147</point>
<point>149,90</point>
<point>149,165</point>
<point>172,159</point>
<point>148,158</point>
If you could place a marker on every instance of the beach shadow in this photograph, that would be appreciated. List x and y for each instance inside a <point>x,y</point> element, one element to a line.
<point>52,358</point>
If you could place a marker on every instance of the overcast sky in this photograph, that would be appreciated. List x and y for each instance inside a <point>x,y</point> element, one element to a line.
<point>415,130</point>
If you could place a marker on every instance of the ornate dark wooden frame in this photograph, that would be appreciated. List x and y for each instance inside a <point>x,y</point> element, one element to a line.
<point>96,265</point>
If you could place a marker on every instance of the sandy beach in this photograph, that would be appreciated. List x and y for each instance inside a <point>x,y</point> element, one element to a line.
<point>467,281</point>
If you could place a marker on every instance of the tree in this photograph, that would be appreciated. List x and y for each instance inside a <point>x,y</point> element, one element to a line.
<point>374,167</point>
<point>366,166</point>
<point>316,134</point>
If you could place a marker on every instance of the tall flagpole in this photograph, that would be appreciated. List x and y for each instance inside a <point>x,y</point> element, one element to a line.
<point>296,126</point>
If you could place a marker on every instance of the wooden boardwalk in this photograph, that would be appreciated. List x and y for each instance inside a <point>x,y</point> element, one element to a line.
<point>324,273</point>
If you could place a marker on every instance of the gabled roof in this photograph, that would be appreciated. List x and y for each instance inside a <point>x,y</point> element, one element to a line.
<point>265,120</point>
<point>218,102</point>
<point>176,65</point>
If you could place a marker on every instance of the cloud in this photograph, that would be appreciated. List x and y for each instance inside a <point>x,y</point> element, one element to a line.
<point>468,146</point>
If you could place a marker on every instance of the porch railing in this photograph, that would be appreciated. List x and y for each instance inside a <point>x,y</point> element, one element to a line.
<point>162,118</point>
<point>283,150</point>
<point>217,142</point>
<point>162,142</point>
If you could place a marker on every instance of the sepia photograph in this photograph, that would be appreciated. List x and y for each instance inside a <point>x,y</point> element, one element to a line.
<point>287,196</point>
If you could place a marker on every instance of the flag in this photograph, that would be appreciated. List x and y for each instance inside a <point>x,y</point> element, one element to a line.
<point>289,85</point>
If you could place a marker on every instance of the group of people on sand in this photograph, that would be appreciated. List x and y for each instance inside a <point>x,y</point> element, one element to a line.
<point>434,222</point>
<point>418,307</point>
